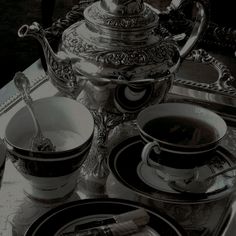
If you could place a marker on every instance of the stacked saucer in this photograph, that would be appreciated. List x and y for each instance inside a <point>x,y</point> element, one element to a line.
<point>130,178</point>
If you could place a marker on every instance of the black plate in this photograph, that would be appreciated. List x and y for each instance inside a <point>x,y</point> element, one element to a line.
<point>62,218</point>
<point>124,163</point>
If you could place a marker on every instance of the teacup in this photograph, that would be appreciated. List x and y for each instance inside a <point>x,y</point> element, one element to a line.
<point>2,160</point>
<point>50,176</point>
<point>179,137</point>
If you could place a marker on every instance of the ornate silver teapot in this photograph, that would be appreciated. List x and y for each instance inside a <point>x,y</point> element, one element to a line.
<point>117,60</point>
<point>117,43</point>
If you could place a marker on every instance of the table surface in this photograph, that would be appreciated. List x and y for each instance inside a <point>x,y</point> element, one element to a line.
<point>13,202</point>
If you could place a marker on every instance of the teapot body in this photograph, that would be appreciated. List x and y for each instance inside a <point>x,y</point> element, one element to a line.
<point>117,44</point>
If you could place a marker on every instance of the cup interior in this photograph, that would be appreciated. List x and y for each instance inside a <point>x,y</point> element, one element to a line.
<point>181,125</point>
<point>66,122</point>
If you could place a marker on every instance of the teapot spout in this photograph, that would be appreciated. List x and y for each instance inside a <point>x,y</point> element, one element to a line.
<point>36,31</point>
<point>60,67</point>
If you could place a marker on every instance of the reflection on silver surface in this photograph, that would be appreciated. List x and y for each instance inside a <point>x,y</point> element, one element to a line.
<point>214,89</point>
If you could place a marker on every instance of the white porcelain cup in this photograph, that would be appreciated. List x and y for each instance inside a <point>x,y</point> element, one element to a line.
<point>179,137</point>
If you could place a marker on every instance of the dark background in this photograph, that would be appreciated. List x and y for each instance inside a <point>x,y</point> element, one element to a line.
<point>17,54</point>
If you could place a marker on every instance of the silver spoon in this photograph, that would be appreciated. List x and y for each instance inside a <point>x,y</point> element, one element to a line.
<point>198,186</point>
<point>38,142</point>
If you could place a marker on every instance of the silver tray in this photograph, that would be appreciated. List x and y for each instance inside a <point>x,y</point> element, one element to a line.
<point>180,91</point>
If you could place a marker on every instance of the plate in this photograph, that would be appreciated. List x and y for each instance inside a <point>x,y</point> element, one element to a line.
<point>65,217</point>
<point>144,180</point>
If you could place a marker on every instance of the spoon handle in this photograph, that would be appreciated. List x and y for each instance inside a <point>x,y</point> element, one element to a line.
<point>23,85</point>
<point>221,172</point>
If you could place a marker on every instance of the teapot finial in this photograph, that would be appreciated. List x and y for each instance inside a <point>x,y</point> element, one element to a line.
<point>122,7</point>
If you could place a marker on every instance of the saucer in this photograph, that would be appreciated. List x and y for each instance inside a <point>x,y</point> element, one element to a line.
<point>79,212</point>
<point>151,177</point>
<point>125,164</point>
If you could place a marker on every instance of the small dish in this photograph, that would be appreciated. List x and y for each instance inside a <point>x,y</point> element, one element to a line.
<point>55,223</point>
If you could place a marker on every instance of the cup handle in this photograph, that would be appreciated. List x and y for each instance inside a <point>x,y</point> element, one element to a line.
<point>151,146</point>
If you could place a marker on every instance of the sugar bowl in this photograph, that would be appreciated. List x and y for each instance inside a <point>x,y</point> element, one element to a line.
<point>51,175</point>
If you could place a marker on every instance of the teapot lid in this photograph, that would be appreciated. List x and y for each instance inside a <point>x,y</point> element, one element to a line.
<point>121,15</point>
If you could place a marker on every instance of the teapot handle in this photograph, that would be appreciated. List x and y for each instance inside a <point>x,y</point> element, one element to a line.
<point>200,21</point>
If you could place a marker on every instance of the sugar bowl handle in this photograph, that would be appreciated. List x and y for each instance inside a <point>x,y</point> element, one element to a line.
<point>148,148</point>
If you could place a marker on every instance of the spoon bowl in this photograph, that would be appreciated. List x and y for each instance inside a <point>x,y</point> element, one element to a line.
<point>38,141</point>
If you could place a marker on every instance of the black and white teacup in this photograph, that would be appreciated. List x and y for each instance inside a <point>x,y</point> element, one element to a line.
<point>179,137</point>
<point>50,176</point>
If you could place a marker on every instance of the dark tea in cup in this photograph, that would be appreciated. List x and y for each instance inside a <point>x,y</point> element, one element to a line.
<point>180,130</point>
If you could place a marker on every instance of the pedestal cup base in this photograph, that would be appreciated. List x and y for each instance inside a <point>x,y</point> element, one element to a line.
<point>50,189</point>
